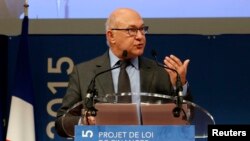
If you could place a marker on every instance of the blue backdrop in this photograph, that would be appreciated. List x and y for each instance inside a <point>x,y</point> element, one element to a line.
<point>218,73</point>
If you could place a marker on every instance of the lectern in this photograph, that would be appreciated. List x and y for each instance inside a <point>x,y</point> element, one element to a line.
<point>153,111</point>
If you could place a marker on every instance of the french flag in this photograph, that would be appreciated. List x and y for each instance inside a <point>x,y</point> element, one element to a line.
<point>21,125</point>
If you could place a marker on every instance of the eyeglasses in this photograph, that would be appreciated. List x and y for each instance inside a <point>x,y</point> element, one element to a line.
<point>133,31</point>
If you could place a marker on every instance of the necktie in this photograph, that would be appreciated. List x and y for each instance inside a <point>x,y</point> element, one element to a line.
<point>123,79</point>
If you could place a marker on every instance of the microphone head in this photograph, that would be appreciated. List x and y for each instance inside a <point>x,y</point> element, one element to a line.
<point>125,53</point>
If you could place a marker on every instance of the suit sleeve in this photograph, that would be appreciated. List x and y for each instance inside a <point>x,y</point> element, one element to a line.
<point>68,117</point>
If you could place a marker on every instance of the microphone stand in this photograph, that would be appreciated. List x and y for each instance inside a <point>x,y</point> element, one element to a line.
<point>178,92</point>
<point>92,93</point>
<point>89,100</point>
<point>179,98</point>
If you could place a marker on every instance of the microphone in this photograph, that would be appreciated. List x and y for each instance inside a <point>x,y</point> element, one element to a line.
<point>92,92</point>
<point>179,96</point>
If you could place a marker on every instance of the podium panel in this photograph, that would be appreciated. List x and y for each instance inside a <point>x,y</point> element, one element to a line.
<point>135,133</point>
<point>116,114</point>
<point>143,114</point>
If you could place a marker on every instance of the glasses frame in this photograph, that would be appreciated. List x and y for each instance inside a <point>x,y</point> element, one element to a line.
<point>133,31</point>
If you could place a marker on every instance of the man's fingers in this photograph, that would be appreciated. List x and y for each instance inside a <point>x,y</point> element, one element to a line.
<point>176,60</point>
<point>186,63</point>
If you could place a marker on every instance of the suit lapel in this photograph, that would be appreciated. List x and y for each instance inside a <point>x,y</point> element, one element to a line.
<point>104,80</point>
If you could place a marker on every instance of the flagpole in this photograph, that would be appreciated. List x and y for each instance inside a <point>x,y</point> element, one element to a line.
<point>26,6</point>
<point>21,125</point>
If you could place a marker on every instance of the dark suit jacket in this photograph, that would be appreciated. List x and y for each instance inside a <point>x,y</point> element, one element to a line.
<point>154,79</point>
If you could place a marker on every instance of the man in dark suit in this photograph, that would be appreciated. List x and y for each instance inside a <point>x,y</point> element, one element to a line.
<point>125,31</point>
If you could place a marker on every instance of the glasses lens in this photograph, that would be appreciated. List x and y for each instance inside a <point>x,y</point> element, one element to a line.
<point>133,31</point>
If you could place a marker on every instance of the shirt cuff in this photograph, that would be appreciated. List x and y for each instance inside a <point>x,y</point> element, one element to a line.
<point>185,87</point>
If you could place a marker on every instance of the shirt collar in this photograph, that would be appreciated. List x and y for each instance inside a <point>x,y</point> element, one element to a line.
<point>114,59</point>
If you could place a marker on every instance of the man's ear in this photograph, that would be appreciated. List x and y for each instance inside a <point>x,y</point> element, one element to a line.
<point>110,36</point>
